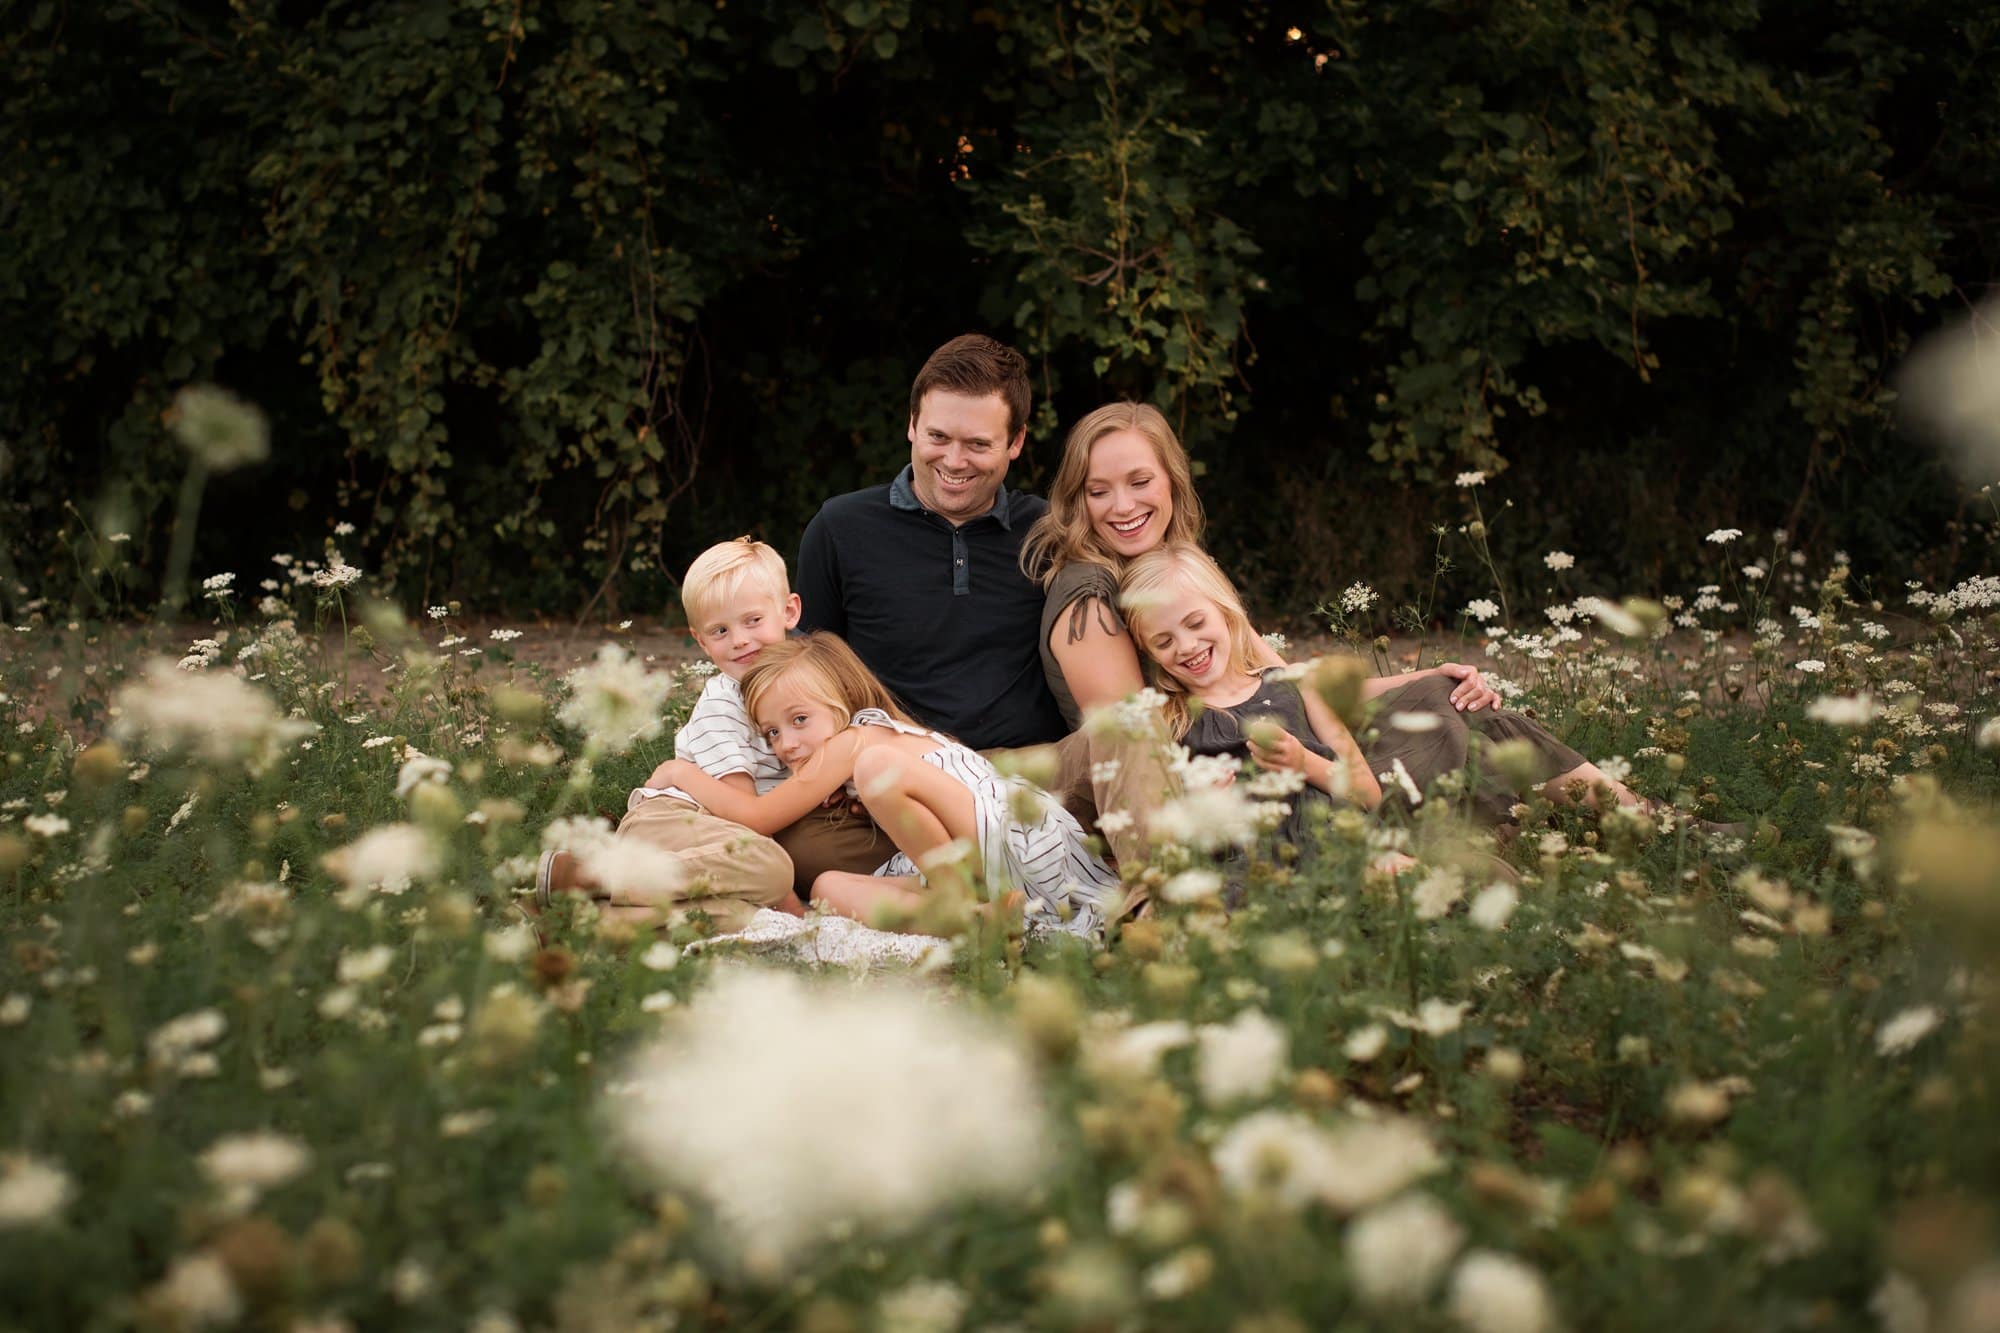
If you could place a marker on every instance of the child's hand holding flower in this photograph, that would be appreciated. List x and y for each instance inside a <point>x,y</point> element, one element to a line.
<point>1274,747</point>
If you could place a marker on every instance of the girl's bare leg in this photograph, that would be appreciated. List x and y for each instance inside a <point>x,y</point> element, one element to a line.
<point>858,896</point>
<point>921,808</point>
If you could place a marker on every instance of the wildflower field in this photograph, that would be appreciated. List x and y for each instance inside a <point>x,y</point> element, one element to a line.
<point>280,1051</point>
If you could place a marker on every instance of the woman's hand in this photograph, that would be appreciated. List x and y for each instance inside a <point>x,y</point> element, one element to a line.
<point>1472,693</point>
<point>1274,747</point>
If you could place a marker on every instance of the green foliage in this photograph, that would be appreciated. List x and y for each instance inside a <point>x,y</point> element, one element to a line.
<point>544,297</point>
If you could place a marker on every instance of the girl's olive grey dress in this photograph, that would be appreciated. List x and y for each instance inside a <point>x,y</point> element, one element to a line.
<point>1427,751</point>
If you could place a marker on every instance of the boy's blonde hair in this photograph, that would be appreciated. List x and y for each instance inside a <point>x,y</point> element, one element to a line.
<point>829,672</point>
<point>1181,567</point>
<point>720,572</point>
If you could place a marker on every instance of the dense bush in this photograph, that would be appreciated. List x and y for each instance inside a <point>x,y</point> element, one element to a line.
<point>544,297</point>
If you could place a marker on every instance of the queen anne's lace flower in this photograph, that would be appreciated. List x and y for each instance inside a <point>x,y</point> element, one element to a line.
<point>736,1106</point>
<point>214,716</point>
<point>615,701</point>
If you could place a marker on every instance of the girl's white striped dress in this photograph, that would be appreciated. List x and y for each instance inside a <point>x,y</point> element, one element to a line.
<point>1067,887</point>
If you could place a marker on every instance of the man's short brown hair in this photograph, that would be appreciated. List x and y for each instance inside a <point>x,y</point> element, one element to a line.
<point>976,365</point>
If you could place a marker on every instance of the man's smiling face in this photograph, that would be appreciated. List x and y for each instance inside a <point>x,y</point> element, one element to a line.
<point>959,451</point>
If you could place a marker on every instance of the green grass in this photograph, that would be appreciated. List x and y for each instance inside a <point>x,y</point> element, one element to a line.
<point>461,1164</point>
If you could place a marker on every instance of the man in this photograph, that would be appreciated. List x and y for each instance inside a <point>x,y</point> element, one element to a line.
<point>922,576</point>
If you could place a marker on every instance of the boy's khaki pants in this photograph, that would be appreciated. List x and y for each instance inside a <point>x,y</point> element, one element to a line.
<point>1095,770</point>
<point>731,871</point>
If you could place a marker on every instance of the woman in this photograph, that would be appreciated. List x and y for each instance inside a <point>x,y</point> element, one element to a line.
<point>1124,488</point>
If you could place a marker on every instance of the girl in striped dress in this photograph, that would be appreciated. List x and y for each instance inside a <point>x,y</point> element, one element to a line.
<point>836,727</point>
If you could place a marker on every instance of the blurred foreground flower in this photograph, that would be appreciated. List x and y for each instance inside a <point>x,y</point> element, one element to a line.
<point>217,717</point>
<point>218,428</point>
<point>1284,1158</point>
<point>1495,1293</point>
<point>615,701</point>
<point>1396,1252</point>
<point>244,1166</point>
<point>389,857</point>
<point>792,1108</point>
<point>1951,386</point>
<point>32,1192</point>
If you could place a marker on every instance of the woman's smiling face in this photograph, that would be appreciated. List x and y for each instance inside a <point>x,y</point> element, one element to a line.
<point>1127,495</point>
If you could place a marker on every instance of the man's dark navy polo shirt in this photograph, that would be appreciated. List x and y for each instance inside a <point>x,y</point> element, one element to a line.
<point>940,611</point>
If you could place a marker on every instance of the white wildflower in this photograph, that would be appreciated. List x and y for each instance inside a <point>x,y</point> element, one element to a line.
<point>1989,734</point>
<point>1371,1160</point>
<point>1482,609</point>
<point>1397,1251</point>
<point>46,826</point>
<point>1837,710</point>
<point>197,1291</point>
<point>733,1107</point>
<point>389,857</point>
<point>358,966</point>
<point>1241,1059</point>
<point>1397,774</point>
<point>1279,1156</point>
<point>1114,1052</point>
<point>214,716</point>
<point>1357,598</point>
<point>1437,1018</point>
<point>1207,819</point>
<point>1365,1043</point>
<point>219,429</point>
<point>1905,1030</point>
<point>33,1192</point>
<point>1192,886</point>
<point>1812,666</point>
<point>509,944</point>
<point>1559,560</point>
<point>177,1037</point>
<point>921,1307</point>
<point>1436,893</point>
<point>615,701</point>
<point>246,1165</point>
<point>1724,536</point>
<point>1497,1293</point>
<point>580,835</point>
<point>419,768</point>
<point>1494,906</point>
<point>631,869</point>
<point>1899,1306</point>
<point>1950,383</point>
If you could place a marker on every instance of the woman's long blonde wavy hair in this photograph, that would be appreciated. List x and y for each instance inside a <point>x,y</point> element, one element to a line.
<point>1182,567</point>
<point>1064,534</point>
<point>829,672</point>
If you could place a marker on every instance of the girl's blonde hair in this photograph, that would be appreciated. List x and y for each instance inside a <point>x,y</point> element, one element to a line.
<point>1181,568</point>
<point>1065,534</point>
<point>827,669</point>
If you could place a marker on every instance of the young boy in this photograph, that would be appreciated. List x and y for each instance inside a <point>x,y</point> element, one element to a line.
<point>737,602</point>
